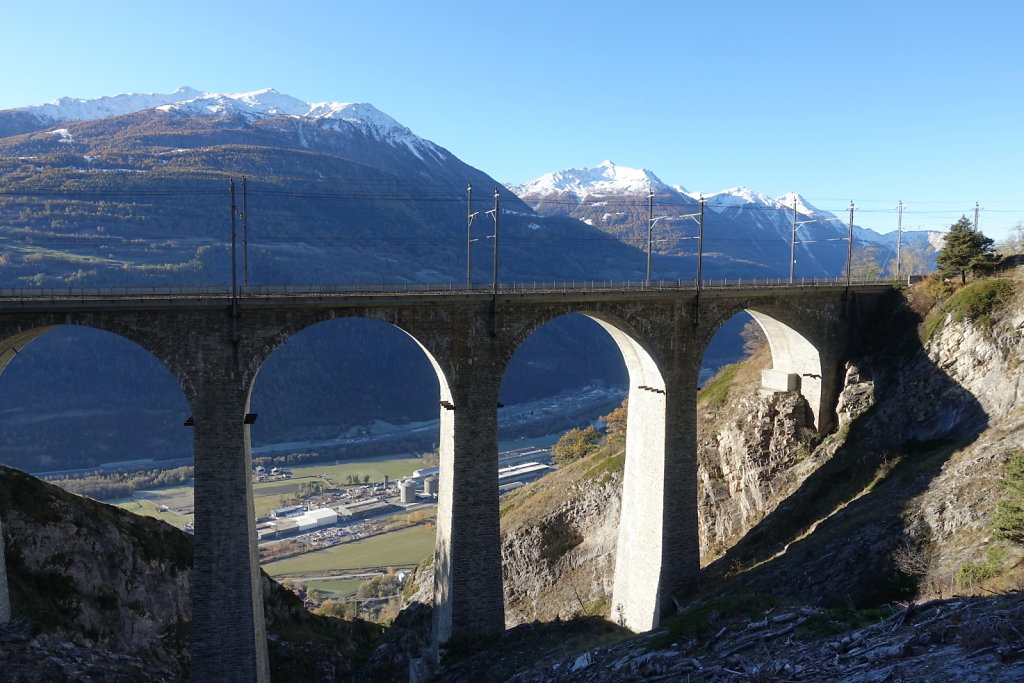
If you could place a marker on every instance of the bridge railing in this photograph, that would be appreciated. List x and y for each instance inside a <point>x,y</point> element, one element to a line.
<point>208,291</point>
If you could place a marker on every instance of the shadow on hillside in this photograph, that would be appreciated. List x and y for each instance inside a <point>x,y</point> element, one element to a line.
<point>833,541</point>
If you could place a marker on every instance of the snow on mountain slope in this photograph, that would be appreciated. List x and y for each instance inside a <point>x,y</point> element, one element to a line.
<point>738,197</point>
<point>802,205</point>
<point>254,105</point>
<point>742,197</point>
<point>759,228</point>
<point>71,109</point>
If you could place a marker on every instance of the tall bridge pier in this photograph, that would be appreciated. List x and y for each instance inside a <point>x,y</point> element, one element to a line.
<point>469,338</point>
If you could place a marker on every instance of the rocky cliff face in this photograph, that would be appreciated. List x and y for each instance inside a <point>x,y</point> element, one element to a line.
<point>77,570</point>
<point>753,452</point>
<point>560,565</point>
<point>905,491</point>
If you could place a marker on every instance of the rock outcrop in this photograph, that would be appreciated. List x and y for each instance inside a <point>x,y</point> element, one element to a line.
<point>98,593</point>
<point>84,571</point>
<point>969,639</point>
<point>560,565</point>
<point>752,453</point>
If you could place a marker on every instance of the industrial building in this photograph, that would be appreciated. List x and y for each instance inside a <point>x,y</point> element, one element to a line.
<point>291,523</point>
<point>524,455</point>
<point>524,473</point>
<point>421,474</point>
<point>407,491</point>
<point>513,474</point>
<point>290,511</point>
<point>370,508</point>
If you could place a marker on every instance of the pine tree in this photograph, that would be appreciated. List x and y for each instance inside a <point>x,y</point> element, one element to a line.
<point>965,249</point>
<point>1009,518</point>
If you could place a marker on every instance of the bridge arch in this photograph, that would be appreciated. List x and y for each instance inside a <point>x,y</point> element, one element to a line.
<point>636,588</point>
<point>114,360</point>
<point>107,346</point>
<point>363,351</point>
<point>801,352</point>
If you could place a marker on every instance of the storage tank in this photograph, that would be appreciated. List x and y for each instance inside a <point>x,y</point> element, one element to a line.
<point>407,491</point>
<point>430,486</point>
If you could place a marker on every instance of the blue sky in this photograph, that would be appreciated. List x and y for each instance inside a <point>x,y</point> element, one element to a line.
<point>873,102</point>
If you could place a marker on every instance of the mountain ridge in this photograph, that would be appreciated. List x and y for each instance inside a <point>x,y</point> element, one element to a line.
<point>255,105</point>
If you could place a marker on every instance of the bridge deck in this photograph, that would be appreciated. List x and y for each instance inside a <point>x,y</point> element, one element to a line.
<point>21,298</point>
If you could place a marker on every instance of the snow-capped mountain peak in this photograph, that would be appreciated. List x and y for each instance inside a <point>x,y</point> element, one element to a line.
<point>738,197</point>
<point>743,197</point>
<point>270,102</point>
<point>605,178</point>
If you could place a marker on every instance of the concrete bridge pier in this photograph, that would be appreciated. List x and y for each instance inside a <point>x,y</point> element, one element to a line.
<point>468,598</point>
<point>658,554</point>
<point>229,641</point>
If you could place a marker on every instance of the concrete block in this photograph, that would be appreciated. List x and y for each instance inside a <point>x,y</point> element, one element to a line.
<point>776,380</point>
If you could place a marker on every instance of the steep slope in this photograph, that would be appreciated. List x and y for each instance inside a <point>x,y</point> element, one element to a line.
<point>558,540</point>
<point>96,587</point>
<point>908,495</point>
<point>125,191</point>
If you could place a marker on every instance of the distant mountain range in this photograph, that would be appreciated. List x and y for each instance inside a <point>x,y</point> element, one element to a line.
<point>739,224</point>
<point>133,190</point>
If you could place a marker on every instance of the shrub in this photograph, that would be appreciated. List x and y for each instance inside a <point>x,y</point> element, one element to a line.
<point>975,303</point>
<point>971,574</point>
<point>576,444</point>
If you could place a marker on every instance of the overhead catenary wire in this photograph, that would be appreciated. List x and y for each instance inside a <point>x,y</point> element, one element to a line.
<point>443,194</point>
<point>449,194</point>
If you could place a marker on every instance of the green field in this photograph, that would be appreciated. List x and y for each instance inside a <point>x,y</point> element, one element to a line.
<point>148,508</point>
<point>406,546</point>
<point>394,466</point>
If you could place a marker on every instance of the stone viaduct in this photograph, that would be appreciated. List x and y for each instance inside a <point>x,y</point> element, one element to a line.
<point>214,345</point>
